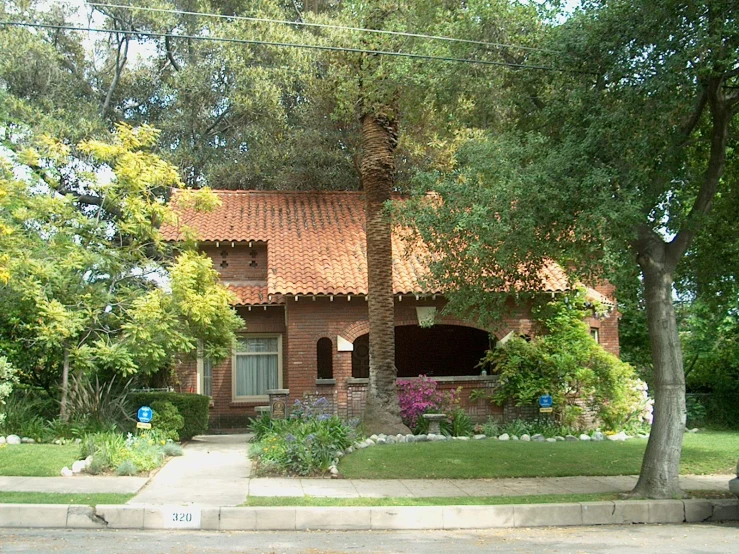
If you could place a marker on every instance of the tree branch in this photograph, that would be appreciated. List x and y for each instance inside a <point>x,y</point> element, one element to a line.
<point>721,118</point>
<point>170,55</point>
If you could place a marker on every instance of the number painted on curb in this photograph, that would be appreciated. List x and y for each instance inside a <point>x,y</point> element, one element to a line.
<point>181,517</point>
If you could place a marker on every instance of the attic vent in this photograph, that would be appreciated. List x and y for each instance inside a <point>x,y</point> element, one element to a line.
<point>224,264</point>
<point>253,263</point>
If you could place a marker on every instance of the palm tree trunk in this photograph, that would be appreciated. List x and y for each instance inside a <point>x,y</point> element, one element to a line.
<point>379,138</point>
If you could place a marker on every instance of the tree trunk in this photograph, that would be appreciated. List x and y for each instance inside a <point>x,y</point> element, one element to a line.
<point>63,412</point>
<point>659,476</point>
<point>378,171</point>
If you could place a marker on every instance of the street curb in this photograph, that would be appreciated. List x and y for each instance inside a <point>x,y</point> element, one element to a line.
<point>124,516</point>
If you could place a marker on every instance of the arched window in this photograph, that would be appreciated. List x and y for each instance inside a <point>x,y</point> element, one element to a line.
<point>360,357</point>
<point>325,358</point>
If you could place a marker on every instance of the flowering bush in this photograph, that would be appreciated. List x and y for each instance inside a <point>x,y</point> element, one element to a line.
<point>109,451</point>
<point>305,443</point>
<point>420,396</point>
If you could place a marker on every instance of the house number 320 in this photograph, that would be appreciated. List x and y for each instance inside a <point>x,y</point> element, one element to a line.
<point>181,517</point>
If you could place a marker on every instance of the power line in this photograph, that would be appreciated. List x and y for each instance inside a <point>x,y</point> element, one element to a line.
<point>277,44</point>
<point>324,26</point>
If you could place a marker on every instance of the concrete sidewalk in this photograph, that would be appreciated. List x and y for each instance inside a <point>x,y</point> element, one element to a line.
<point>420,488</point>
<point>82,484</point>
<point>213,471</point>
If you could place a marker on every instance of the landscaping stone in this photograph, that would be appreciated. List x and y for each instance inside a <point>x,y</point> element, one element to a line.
<point>78,466</point>
<point>380,440</point>
<point>421,438</point>
<point>550,439</point>
<point>349,450</point>
<point>360,446</point>
<point>2,440</point>
<point>571,438</point>
<point>27,440</point>
<point>373,437</point>
<point>538,437</point>
<point>514,438</point>
<point>584,437</point>
<point>479,437</point>
<point>504,437</point>
<point>525,438</point>
<point>559,439</point>
<point>13,439</point>
<point>463,438</point>
<point>618,437</point>
<point>390,440</point>
<point>66,472</point>
<point>598,436</point>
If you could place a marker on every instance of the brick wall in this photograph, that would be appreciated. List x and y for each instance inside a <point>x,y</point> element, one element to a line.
<point>239,262</point>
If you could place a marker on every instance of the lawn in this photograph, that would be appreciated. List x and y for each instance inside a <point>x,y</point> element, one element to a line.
<point>703,453</point>
<point>63,498</point>
<point>37,460</point>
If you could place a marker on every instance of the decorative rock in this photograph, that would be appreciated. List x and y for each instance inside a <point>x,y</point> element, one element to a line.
<point>618,437</point>
<point>390,440</point>
<point>479,437</point>
<point>410,438</point>
<point>504,437</point>
<point>13,439</point>
<point>514,438</point>
<point>421,438</point>
<point>361,446</point>
<point>66,472</point>
<point>26,440</point>
<point>598,436</point>
<point>538,437</point>
<point>559,439</point>
<point>339,454</point>
<point>550,439</point>
<point>694,430</point>
<point>382,436</point>
<point>369,442</point>
<point>350,450</point>
<point>380,440</point>
<point>571,438</point>
<point>2,439</point>
<point>584,437</point>
<point>373,437</point>
<point>334,471</point>
<point>463,438</point>
<point>77,441</point>
<point>525,437</point>
<point>78,466</point>
<point>88,462</point>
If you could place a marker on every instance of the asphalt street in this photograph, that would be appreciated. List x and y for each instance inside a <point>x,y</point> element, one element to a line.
<point>698,538</point>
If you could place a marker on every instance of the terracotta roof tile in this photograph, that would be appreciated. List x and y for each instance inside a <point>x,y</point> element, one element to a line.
<point>316,243</point>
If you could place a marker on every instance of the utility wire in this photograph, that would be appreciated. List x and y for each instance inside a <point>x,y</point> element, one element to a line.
<point>323,26</point>
<point>278,44</point>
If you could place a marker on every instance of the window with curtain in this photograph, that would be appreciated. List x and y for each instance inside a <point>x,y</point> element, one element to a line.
<point>207,386</point>
<point>257,362</point>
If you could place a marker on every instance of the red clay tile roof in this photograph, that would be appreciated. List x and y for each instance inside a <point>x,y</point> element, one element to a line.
<point>315,243</point>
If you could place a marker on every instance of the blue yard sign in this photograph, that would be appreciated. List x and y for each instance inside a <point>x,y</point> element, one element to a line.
<point>145,414</point>
<point>545,401</point>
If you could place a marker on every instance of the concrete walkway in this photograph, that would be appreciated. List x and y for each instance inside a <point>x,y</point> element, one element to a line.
<point>419,488</point>
<point>82,484</point>
<point>214,471</point>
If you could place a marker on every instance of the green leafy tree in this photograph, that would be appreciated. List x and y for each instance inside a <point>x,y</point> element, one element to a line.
<point>619,168</point>
<point>91,285</point>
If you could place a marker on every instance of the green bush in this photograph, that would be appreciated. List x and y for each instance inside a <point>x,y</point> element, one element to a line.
<point>167,419</point>
<point>192,407</point>
<point>110,450</point>
<point>127,467</point>
<point>570,366</point>
<point>305,444</point>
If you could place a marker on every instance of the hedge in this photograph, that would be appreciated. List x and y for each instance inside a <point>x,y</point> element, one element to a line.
<point>192,407</point>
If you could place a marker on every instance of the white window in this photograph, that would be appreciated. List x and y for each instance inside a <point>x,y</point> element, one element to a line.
<point>257,366</point>
<point>595,334</point>
<point>205,376</point>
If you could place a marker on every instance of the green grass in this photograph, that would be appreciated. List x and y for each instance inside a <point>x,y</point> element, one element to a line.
<point>703,453</point>
<point>37,460</point>
<point>63,498</point>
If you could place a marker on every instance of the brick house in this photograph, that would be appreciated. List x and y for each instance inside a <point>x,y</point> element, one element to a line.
<point>297,263</point>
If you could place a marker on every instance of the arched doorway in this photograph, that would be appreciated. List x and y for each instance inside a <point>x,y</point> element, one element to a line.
<point>440,350</point>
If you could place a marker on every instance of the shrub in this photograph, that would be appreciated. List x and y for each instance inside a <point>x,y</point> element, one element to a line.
<point>172,449</point>
<point>192,407</point>
<point>127,467</point>
<point>420,396</point>
<point>570,366</point>
<point>304,444</point>
<point>98,405</point>
<point>167,419</point>
<point>461,424</point>
<point>110,450</point>
<point>7,379</point>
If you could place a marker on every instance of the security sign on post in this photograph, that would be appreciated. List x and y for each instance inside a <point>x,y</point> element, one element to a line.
<point>545,404</point>
<point>144,415</point>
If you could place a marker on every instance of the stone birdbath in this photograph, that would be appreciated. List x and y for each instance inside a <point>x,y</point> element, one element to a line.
<point>434,420</point>
<point>734,483</point>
